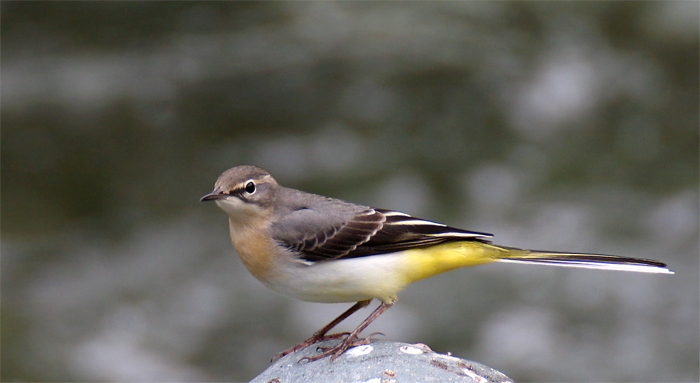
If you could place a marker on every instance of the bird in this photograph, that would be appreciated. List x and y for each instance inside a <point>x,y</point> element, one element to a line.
<point>322,249</point>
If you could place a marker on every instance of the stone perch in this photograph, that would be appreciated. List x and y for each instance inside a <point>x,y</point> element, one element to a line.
<point>379,362</point>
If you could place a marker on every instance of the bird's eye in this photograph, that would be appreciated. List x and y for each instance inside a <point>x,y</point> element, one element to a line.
<point>250,187</point>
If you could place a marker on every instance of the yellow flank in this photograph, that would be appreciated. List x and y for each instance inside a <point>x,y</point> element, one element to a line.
<point>429,261</point>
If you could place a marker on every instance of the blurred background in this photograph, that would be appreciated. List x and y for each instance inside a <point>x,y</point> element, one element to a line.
<point>554,125</point>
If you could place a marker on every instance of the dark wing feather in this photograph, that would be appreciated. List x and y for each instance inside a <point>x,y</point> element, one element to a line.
<point>318,237</point>
<point>343,238</point>
<point>402,232</point>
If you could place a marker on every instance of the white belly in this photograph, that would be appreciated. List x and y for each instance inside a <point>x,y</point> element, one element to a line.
<point>346,280</point>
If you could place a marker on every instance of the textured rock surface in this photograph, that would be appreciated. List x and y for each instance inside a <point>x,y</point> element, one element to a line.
<point>379,362</point>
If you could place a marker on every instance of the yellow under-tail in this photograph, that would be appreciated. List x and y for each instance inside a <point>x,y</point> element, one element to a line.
<point>429,261</point>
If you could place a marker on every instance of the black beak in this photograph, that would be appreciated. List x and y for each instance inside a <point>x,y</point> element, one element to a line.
<point>213,196</point>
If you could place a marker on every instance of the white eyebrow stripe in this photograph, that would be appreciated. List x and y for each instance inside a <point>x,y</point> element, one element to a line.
<point>262,180</point>
<point>416,222</point>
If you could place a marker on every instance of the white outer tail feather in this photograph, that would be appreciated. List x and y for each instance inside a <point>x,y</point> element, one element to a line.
<point>591,265</point>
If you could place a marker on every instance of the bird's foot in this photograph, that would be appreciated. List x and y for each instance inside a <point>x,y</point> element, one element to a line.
<point>337,350</point>
<point>317,337</point>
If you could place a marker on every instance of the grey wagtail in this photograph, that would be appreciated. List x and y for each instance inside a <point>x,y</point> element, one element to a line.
<point>321,249</point>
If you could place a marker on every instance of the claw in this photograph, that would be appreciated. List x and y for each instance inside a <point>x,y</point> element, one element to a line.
<point>313,340</point>
<point>375,334</point>
<point>337,350</point>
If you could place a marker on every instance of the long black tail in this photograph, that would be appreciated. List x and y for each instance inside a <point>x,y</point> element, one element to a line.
<point>590,261</point>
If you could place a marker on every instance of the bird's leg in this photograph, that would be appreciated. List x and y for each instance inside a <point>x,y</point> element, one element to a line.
<point>320,335</point>
<point>351,340</point>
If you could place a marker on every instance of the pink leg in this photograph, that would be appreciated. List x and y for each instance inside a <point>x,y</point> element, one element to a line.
<point>320,335</point>
<point>351,340</point>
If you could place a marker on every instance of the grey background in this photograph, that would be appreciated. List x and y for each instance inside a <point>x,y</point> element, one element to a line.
<point>564,126</point>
